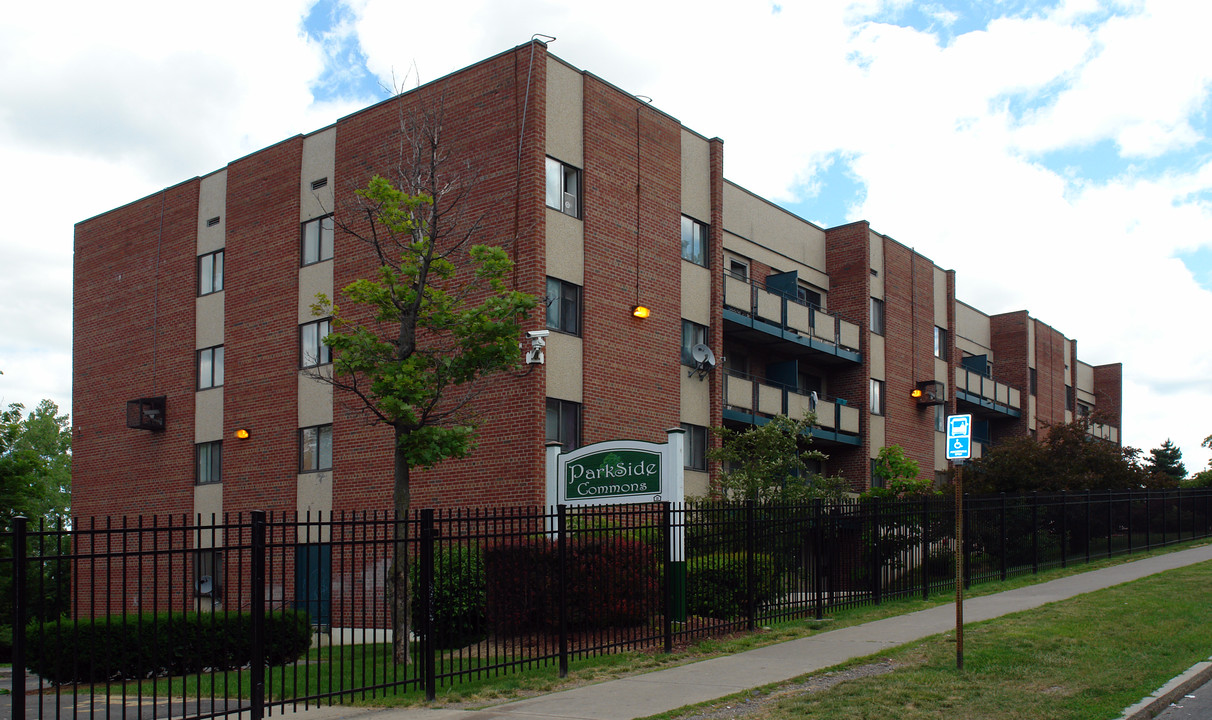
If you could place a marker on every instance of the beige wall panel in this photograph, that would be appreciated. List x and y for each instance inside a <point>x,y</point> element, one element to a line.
<point>877,357</point>
<point>697,484</point>
<point>966,345</point>
<point>212,202</point>
<point>565,113</point>
<point>1085,377</point>
<point>208,415</point>
<point>849,419</point>
<point>696,177</point>
<point>1030,342</point>
<point>1068,357</point>
<point>208,502</point>
<point>313,279</point>
<point>313,494</point>
<point>1031,412</point>
<point>875,426</point>
<point>696,293</point>
<point>315,398</point>
<point>877,264</point>
<point>848,334</point>
<point>208,320</point>
<point>565,247</point>
<point>739,393</point>
<point>972,324</point>
<point>940,373</point>
<point>696,399</point>
<point>781,263</point>
<point>799,318</point>
<point>940,297</point>
<point>770,399</point>
<point>770,226</point>
<point>565,378</point>
<point>319,161</point>
<point>940,452</point>
<point>738,293</point>
<point>1086,397</point>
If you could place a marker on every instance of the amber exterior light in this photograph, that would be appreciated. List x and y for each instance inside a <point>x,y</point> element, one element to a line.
<point>640,311</point>
<point>242,434</point>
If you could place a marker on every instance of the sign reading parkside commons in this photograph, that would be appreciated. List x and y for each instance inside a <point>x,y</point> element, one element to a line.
<point>618,471</point>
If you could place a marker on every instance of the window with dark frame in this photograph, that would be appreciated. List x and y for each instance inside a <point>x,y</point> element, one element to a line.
<point>317,240</point>
<point>940,418</point>
<point>940,343</point>
<point>210,367</point>
<point>877,397</point>
<point>1031,380</point>
<point>808,296</point>
<point>315,448</point>
<point>563,187</point>
<point>210,273</point>
<point>209,466</point>
<point>694,448</point>
<point>563,306</point>
<point>208,573</point>
<point>312,350</point>
<point>564,423</point>
<point>694,241</point>
<point>692,334</point>
<point>877,316</point>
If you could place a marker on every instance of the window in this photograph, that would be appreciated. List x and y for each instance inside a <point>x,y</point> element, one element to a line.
<point>877,397</point>
<point>808,296</point>
<point>1083,410</point>
<point>564,423</point>
<point>315,448</point>
<point>317,240</point>
<point>210,463</point>
<point>1069,397</point>
<point>877,316</point>
<point>877,481</point>
<point>1031,379</point>
<point>210,273</point>
<point>940,418</point>
<point>692,334</point>
<point>940,343</point>
<point>694,241</point>
<point>208,573</point>
<point>563,306</point>
<point>210,367</point>
<point>563,187</point>
<point>694,449</point>
<point>313,351</point>
<point>738,269</point>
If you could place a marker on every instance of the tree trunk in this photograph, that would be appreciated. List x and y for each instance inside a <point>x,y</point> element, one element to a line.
<point>399,589</point>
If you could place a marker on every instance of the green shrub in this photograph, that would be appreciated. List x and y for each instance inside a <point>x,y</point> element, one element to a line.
<point>6,643</point>
<point>458,597</point>
<point>715,584</point>
<point>141,646</point>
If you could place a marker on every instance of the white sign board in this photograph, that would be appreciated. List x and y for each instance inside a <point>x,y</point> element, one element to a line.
<point>959,437</point>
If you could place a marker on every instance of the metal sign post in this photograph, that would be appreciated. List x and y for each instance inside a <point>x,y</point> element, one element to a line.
<point>959,447</point>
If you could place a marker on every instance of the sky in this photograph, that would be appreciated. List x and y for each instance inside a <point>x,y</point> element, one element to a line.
<point>1056,155</point>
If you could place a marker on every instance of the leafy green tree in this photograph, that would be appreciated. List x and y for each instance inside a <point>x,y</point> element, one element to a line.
<point>770,462</point>
<point>1203,478</point>
<point>899,473</point>
<point>1167,461</point>
<point>437,317</point>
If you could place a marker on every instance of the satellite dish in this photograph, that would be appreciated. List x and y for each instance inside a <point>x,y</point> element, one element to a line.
<point>206,585</point>
<point>703,356</point>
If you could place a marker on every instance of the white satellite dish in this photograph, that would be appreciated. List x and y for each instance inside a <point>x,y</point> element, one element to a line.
<point>704,359</point>
<point>206,585</point>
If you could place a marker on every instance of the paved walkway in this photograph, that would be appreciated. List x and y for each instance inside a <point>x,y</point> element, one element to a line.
<point>664,690</point>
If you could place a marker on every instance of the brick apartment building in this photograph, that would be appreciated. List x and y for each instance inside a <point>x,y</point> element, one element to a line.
<point>198,299</point>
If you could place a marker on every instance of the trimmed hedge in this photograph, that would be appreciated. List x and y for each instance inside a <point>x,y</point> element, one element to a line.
<point>458,597</point>
<point>142,646</point>
<point>715,584</point>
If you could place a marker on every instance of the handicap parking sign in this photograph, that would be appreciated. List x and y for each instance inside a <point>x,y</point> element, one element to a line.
<point>959,437</point>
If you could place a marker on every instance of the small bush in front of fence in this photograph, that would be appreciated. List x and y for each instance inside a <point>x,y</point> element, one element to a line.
<point>151,645</point>
<point>6,643</point>
<point>716,586</point>
<point>457,600</point>
<point>610,583</point>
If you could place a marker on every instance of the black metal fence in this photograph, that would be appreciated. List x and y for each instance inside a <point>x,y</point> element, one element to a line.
<point>201,619</point>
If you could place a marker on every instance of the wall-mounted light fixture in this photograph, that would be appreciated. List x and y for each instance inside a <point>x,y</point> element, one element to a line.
<point>242,434</point>
<point>641,311</point>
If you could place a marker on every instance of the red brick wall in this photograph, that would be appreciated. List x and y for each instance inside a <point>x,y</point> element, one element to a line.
<point>1108,393</point>
<point>848,262</point>
<point>1050,376</point>
<point>1008,337</point>
<point>632,216</point>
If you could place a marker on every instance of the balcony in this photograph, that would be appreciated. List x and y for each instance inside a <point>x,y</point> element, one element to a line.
<point>752,401</point>
<point>1110,433</point>
<point>761,316</point>
<point>985,397</point>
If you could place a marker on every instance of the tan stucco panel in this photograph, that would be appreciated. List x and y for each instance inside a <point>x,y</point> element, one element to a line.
<point>208,503</point>
<point>696,177</point>
<point>940,373</point>
<point>1030,342</point>
<point>208,320</point>
<point>319,161</point>
<point>785,238</point>
<point>313,494</point>
<point>565,113</point>
<point>875,426</point>
<point>940,452</point>
<point>973,325</point>
<point>877,264</point>
<point>940,297</point>
<point>696,399</point>
<point>696,293</point>
<point>565,247</point>
<point>208,415</point>
<point>212,203</point>
<point>877,357</point>
<point>697,484</point>
<point>313,279</point>
<point>565,367</point>
<point>315,397</point>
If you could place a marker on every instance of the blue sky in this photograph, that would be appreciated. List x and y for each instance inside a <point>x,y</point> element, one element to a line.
<point>1055,154</point>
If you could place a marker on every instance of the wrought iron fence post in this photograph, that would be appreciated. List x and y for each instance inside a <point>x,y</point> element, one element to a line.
<point>19,552</point>
<point>425,594</point>
<point>667,615</point>
<point>750,575</point>
<point>1002,539</point>
<point>1130,494</point>
<point>925,547</point>
<point>1064,533</point>
<point>1034,532</point>
<point>877,559</point>
<point>818,558</point>
<point>257,667</point>
<point>1110,522</point>
<point>562,574</point>
<point>1087,531</point>
<point>966,514</point>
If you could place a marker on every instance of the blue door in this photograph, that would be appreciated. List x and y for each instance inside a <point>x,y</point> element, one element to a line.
<point>313,582</point>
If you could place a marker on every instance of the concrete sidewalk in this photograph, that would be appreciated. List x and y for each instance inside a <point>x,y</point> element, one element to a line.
<point>663,690</point>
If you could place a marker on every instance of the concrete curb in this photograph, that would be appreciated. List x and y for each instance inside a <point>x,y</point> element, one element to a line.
<point>1152,706</point>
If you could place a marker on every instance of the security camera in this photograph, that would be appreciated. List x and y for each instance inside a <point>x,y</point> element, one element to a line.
<point>532,334</point>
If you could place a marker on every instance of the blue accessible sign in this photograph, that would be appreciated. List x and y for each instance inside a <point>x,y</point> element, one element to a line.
<point>959,437</point>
